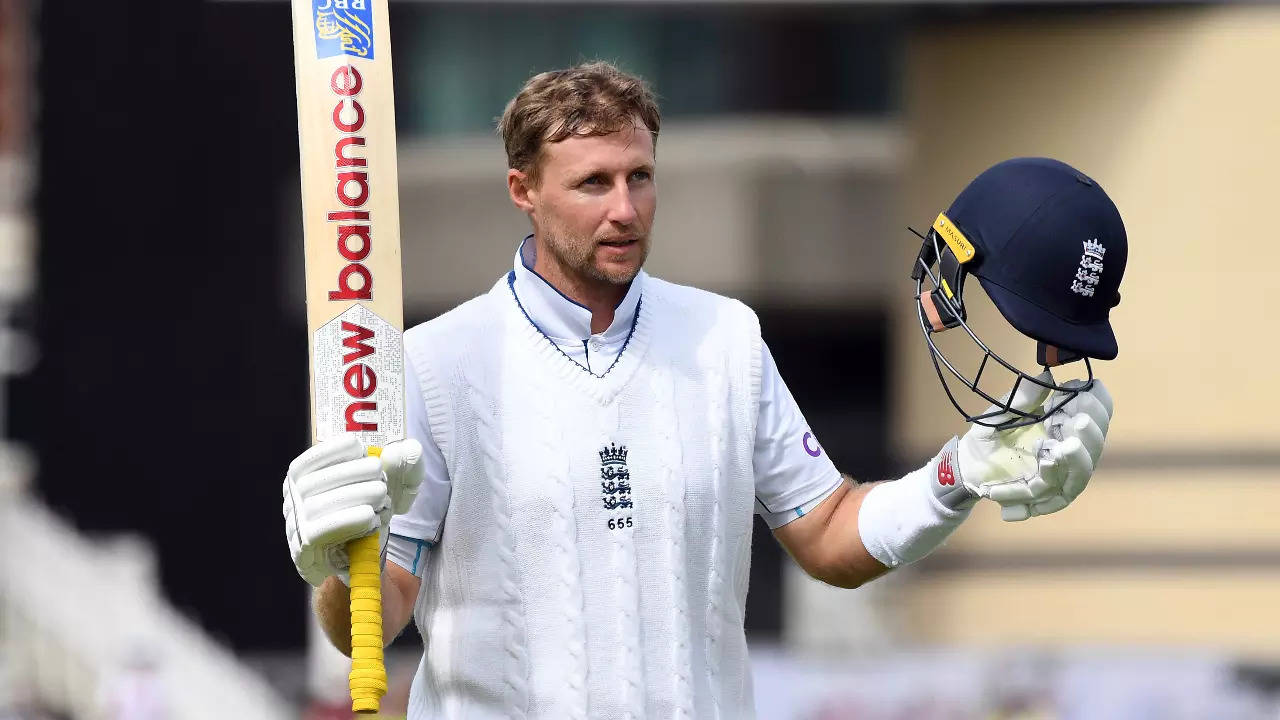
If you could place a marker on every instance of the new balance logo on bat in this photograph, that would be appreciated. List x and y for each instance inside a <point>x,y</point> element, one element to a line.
<point>358,371</point>
<point>355,234</point>
<point>359,380</point>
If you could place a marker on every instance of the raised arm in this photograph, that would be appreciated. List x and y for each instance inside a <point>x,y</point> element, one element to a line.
<point>862,531</point>
<point>825,542</point>
<point>335,492</point>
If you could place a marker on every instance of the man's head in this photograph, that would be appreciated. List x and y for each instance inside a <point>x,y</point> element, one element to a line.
<point>580,150</point>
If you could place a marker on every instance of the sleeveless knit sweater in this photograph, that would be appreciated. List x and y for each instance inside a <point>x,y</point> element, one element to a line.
<point>595,554</point>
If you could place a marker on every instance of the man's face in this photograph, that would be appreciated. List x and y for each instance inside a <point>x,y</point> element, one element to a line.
<point>594,204</point>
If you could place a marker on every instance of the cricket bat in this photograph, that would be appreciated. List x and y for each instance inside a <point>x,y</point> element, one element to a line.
<point>351,234</point>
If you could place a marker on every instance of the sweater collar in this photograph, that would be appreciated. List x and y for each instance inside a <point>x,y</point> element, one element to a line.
<point>555,314</point>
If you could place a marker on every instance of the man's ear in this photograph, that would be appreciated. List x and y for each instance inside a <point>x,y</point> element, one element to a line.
<point>521,189</point>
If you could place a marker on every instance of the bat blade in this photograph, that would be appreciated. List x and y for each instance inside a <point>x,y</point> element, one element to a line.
<point>351,235</point>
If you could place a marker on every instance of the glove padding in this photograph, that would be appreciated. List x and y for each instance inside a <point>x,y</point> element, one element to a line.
<point>1041,468</point>
<point>335,492</point>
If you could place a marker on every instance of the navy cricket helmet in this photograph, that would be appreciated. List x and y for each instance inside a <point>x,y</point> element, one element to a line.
<point>1049,248</point>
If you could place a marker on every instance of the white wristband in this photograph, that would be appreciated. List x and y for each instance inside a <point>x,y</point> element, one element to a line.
<point>904,520</point>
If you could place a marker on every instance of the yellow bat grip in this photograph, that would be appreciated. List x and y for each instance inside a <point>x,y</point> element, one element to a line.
<point>368,679</point>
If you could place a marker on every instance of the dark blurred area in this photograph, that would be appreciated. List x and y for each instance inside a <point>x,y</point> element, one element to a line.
<point>172,387</point>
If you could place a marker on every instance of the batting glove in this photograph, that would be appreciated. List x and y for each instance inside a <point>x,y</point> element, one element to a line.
<point>335,492</point>
<point>1041,468</point>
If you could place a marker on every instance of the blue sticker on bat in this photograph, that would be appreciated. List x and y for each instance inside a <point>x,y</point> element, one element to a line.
<point>343,27</point>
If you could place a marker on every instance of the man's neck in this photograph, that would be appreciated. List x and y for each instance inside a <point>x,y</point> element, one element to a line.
<point>600,297</point>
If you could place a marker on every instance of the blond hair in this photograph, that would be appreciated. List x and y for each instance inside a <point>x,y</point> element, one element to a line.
<point>593,98</point>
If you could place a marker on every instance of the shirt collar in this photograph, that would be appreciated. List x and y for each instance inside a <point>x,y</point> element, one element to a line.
<point>555,314</point>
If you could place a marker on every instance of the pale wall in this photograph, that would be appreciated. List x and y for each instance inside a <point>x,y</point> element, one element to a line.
<point>1174,112</point>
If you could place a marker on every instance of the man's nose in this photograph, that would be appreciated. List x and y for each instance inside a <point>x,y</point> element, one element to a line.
<point>622,210</point>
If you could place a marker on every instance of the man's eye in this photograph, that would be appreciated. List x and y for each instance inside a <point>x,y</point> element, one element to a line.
<point>593,180</point>
<point>641,175</point>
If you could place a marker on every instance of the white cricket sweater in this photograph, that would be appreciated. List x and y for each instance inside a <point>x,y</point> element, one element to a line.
<point>595,555</point>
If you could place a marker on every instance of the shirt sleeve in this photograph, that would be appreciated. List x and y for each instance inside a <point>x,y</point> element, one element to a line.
<point>409,553</point>
<point>425,518</point>
<point>792,472</point>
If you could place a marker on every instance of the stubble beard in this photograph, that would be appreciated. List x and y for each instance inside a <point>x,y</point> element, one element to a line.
<point>576,258</point>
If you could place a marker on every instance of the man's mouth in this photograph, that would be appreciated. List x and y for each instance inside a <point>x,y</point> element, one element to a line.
<point>623,242</point>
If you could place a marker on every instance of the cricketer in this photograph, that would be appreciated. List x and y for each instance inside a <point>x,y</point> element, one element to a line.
<point>587,444</point>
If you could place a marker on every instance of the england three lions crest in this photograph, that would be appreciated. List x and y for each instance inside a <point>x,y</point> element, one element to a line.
<point>615,478</point>
<point>1089,272</point>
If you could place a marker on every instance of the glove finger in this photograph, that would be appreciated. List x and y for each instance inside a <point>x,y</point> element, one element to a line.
<point>335,476</point>
<point>403,501</point>
<point>1014,513</point>
<point>1030,396</point>
<point>385,513</point>
<point>290,521</point>
<point>402,462</point>
<point>1102,395</point>
<point>1042,488</point>
<point>1050,505</point>
<point>372,493</point>
<point>1096,401</point>
<point>1073,458</point>
<point>1048,479</point>
<point>329,452</point>
<point>287,501</point>
<point>1086,403</point>
<point>399,458</point>
<point>1008,493</point>
<point>338,527</point>
<point>1076,488</point>
<point>314,565</point>
<point>336,558</point>
<point>1083,428</point>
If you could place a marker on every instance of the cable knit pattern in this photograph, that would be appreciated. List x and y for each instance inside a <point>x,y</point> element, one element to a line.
<point>681,662</point>
<point>631,700</point>
<point>543,609</point>
<point>564,527</point>
<point>715,584</point>
<point>516,665</point>
<point>563,521</point>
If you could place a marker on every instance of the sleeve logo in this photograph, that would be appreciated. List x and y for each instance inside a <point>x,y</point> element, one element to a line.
<point>814,451</point>
<point>343,27</point>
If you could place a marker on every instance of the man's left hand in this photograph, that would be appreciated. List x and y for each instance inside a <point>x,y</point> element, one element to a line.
<point>1038,469</point>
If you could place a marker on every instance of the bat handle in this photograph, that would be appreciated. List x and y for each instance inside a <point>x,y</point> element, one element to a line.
<point>368,679</point>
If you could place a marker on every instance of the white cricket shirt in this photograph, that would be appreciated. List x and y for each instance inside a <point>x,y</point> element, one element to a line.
<point>792,471</point>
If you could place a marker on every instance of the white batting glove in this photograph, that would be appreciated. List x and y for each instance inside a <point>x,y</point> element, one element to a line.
<point>1037,469</point>
<point>335,492</point>
<point>1086,418</point>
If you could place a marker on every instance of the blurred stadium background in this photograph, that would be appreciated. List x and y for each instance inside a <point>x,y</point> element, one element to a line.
<point>154,362</point>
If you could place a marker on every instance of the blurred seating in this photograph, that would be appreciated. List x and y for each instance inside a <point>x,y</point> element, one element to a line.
<point>76,613</point>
